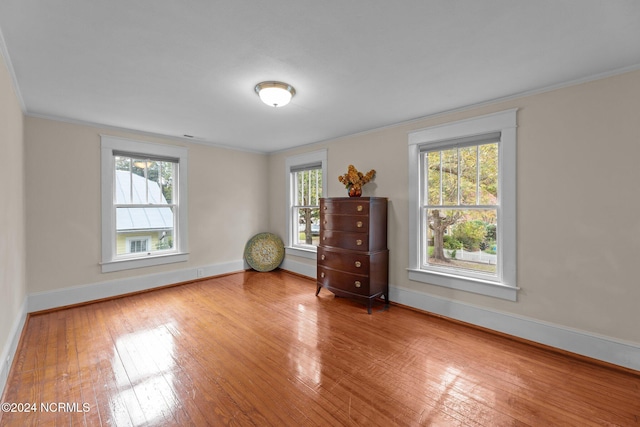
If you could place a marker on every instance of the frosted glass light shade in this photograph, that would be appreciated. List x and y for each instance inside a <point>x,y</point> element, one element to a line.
<point>275,94</point>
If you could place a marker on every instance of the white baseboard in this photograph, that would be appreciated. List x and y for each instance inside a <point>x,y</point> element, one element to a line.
<point>299,268</point>
<point>79,294</point>
<point>598,347</point>
<point>11,345</point>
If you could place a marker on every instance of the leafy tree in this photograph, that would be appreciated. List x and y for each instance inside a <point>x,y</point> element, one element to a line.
<point>491,233</point>
<point>470,233</point>
<point>438,224</point>
<point>452,243</point>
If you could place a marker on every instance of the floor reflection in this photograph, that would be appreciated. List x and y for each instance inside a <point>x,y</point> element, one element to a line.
<point>308,368</point>
<point>146,384</point>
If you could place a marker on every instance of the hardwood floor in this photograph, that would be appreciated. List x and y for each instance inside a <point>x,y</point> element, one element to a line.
<point>260,349</point>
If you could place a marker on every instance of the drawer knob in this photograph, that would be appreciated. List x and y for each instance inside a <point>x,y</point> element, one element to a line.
<point>359,208</point>
<point>322,257</point>
<point>358,264</point>
<point>359,224</point>
<point>324,238</point>
<point>322,274</point>
<point>325,221</point>
<point>359,242</point>
<point>358,284</point>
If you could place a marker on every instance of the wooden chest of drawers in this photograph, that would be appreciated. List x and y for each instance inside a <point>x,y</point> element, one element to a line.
<point>353,259</point>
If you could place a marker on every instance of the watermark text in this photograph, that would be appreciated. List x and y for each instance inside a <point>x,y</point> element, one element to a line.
<point>65,407</point>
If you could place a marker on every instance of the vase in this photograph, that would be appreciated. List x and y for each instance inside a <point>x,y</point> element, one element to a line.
<point>355,192</point>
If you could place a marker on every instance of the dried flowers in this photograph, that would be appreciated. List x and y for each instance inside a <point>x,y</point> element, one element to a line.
<point>354,180</point>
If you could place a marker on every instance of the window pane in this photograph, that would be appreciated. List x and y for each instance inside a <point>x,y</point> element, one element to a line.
<point>300,189</point>
<point>138,166</point>
<point>462,239</point>
<point>123,180</point>
<point>316,175</point>
<point>433,177</point>
<point>308,187</point>
<point>450,177</point>
<point>307,192</point>
<point>140,181</point>
<point>307,229</point>
<point>468,175</point>
<point>154,222</point>
<point>488,159</point>
<point>123,163</point>
<point>161,182</point>
<point>153,175</point>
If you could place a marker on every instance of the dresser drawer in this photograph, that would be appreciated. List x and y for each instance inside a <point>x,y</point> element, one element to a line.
<point>356,223</point>
<point>353,283</point>
<point>340,260</point>
<point>344,239</point>
<point>345,207</point>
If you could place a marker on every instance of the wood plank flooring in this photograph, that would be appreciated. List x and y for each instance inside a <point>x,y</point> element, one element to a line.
<point>260,349</point>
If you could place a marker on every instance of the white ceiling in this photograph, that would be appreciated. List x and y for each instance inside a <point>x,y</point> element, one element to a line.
<point>173,67</point>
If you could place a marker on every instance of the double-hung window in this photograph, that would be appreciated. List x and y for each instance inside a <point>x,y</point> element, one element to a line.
<point>306,185</point>
<point>143,204</point>
<point>462,201</point>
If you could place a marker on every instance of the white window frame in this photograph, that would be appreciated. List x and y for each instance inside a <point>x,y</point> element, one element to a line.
<point>110,262</point>
<point>291,164</point>
<point>504,286</point>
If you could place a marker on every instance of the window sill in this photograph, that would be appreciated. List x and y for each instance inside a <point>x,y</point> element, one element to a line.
<point>468,284</point>
<point>304,253</point>
<point>149,261</point>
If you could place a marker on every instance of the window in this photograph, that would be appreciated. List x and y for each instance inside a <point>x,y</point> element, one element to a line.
<point>138,244</point>
<point>462,205</point>
<point>143,204</point>
<point>305,188</point>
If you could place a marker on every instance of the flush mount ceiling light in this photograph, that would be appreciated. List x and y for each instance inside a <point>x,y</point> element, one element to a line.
<point>275,94</point>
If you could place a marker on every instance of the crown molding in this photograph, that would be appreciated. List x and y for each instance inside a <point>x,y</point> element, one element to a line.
<point>7,60</point>
<point>102,126</point>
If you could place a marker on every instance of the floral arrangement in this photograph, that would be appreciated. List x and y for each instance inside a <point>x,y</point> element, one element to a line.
<point>354,180</point>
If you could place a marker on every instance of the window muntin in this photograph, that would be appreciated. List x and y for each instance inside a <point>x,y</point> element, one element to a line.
<point>460,209</point>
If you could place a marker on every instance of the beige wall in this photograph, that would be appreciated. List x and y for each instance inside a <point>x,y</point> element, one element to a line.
<point>578,203</point>
<point>227,199</point>
<point>13,289</point>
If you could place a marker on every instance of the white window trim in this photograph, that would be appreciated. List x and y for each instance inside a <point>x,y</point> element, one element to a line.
<point>109,144</point>
<point>506,123</point>
<point>293,162</point>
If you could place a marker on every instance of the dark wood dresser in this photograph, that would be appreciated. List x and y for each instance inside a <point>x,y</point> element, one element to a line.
<point>353,259</point>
